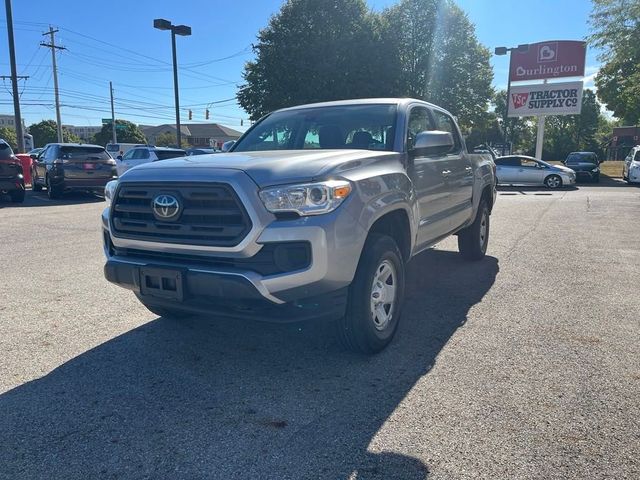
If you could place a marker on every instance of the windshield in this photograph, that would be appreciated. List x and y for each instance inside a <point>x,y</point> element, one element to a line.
<point>113,147</point>
<point>368,127</point>
<point>84,153</point>
<point>582,158</point>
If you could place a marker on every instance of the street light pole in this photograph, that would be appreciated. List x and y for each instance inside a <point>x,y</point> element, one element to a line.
<point>184,31</point>
<point>503,51</point>
<point>175,88</point>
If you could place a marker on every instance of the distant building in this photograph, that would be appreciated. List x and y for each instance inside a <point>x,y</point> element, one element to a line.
<point>622,140</point>
<point>8,121</point>
<point>204,135</point>
<point>85,133</point>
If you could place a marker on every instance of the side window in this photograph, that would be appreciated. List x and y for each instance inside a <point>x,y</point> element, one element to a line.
<point>129,154</point>
<point>51,153</point>
<point>636,157</point>
<point>142,154</point>
<point>446,124</point>
<point>419,121</point>
<point>525,162</point>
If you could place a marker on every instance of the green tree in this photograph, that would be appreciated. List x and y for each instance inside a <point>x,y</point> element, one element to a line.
<point>165,139</point>
<point>521,131</point>
<point>441,59</point>
<point>567,133</point>
<point>46,132</point>
<point>128,133</point>
<point>8,134</point>
<point>315,51</point>
<point>616,30</point>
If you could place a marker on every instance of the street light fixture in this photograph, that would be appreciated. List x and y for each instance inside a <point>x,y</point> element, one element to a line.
<point>185,31</point>
<point>522,48</point>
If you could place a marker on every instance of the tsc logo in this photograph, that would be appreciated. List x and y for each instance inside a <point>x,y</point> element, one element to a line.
<point>519,99</point>
<point>547,52</point>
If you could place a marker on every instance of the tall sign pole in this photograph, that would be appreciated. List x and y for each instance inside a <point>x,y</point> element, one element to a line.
<point>113,116</point>
<point>540,135</point>
<point>52,45</point>
<point>14,79</point>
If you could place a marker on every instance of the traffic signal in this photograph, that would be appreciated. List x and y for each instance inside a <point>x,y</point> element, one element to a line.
<point>206,114</point>
<point>190,114</point>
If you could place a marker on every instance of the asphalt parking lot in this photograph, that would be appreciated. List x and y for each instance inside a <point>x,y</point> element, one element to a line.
<point>523,365</point>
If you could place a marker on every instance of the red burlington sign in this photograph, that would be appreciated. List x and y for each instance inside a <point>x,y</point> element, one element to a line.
<point>558,58</point>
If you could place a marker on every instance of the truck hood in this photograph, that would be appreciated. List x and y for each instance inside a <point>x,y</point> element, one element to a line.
<point>274,167</point>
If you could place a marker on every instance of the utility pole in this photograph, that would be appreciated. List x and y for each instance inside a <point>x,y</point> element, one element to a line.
<point>52,45</point>
<point>14,79</point>
<point>113,116</point>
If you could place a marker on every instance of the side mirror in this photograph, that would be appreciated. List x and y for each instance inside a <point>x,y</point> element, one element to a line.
<point>434,142</point>
<point>33,156</point>
<point>226,146</point>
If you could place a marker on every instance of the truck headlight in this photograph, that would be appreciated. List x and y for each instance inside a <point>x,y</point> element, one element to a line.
<point>109,191</point>
<point>595,170</point>
<point>307,198</point>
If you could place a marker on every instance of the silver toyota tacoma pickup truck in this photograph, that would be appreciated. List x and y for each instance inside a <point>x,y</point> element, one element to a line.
<point>312,214</point>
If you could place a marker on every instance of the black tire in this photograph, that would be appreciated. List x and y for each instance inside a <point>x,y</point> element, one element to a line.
<point>53,192</point>
<point>473,240</point>
<point>363,329</point>
<point>553,181</point>
<point>17,196</point>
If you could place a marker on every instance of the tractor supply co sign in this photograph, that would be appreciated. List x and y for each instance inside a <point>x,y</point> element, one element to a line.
<point>545,99</point>
<point>562,58</point>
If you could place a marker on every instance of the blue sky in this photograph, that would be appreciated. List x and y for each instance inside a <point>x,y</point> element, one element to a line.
<point>116,41</point>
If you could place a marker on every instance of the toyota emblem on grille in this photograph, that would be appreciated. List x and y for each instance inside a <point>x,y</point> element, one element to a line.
<point>165,207</point>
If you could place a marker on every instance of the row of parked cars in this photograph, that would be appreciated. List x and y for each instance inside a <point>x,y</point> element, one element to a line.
<point>65,167</point>
<point>525,170</point>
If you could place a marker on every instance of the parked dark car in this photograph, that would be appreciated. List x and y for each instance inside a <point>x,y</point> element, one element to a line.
<point>64,167</point>
<point>585,164</point>
<point>11,178</point>
<point>201,151</point>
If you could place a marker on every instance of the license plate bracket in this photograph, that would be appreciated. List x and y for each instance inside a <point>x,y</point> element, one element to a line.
<point>162,282</point>
<point>89,166</point>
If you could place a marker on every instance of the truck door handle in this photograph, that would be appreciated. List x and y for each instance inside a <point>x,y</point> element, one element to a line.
<point>446,173</point>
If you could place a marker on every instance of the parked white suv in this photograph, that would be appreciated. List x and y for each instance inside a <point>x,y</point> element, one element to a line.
<point>145,154</point>
<point>631,168</point>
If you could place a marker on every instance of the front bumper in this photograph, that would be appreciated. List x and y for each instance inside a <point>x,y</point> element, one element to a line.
<point>336,240</point>
<point>227,294</point>
<point>587,175</point>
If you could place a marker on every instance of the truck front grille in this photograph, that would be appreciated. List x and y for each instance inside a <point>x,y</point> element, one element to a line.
<point>210,214</point>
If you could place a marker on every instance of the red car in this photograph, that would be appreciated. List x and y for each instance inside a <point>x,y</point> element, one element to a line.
<point>11,177</point>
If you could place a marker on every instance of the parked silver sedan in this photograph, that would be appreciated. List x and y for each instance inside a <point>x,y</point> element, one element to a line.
<point>523,170</point>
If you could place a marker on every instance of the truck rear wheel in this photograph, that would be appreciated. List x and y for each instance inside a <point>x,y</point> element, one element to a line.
<point>375,297</point>
<point>473,240</point>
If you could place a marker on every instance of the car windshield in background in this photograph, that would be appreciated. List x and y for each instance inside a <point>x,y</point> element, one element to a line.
<point>84,153</point>
<point>5,151</point>
<point>167,154</point>
<point>368,127</point>
<point>582,158</point>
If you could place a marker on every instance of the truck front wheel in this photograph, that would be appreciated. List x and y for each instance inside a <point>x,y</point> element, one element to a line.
<point>473,240</point>
<point>375,297</point>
